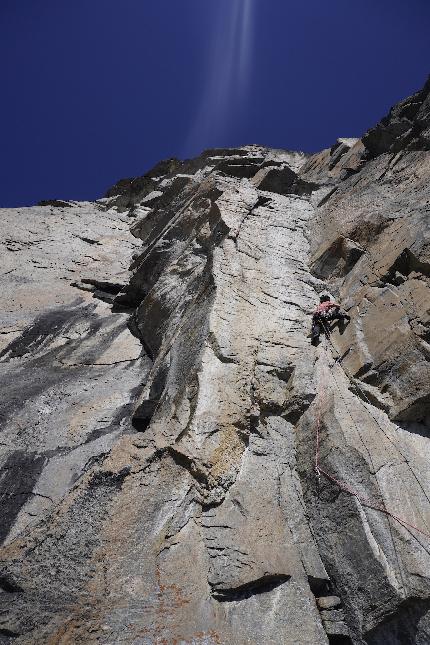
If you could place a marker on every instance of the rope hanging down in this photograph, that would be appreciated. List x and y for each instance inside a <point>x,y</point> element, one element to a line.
<point>343,486</point>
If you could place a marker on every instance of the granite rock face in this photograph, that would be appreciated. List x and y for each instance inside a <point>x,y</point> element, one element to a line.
<point>159,421</point>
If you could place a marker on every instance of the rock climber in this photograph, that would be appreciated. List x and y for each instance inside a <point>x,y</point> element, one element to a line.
<point>327,310</point>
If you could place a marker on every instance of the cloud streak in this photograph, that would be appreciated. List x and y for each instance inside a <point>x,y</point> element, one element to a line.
<point>228,73</point>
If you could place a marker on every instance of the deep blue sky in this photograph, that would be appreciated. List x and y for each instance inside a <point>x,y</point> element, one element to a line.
<point>96,90</point>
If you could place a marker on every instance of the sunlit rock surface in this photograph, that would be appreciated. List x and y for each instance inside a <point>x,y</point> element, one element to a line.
<point>159,426</point>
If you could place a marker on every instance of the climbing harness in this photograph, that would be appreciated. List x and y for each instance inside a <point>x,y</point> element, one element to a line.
<point>342,485</point>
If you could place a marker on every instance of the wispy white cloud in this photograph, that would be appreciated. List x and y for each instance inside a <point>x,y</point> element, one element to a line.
<point>228,72</point>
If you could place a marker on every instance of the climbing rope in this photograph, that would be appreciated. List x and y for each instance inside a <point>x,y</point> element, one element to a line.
<point>342,485</point>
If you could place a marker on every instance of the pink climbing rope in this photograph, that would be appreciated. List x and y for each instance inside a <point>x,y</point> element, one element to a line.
<point>343,486</point>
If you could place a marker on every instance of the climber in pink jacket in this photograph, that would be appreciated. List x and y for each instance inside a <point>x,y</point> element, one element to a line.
<point>326,310</point>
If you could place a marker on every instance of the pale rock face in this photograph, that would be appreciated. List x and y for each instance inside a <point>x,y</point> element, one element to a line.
<point>159,426</point>
<point>63,352</point>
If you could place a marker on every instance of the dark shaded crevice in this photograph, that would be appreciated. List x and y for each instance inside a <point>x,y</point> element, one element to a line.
<point>133,328</point>
<point>364,369</point>
<point>188,464</point>
<point>283,373</point>
<point>112,288</point>
<point>338,639</point>
<point>218,352</point>
<point>372,377</point>
<point>241,168</point>
<point>406,263</point>
<point>208,506</point>
<point>417,412</point>
<point>415,427</point>
<point>297,406</point>
<point>292,410</point>
<point>327,197</point>
<point>102,290</point>
<point>87,240</point>
<point>8,585</point>
<point>119,308</point>
<point>255,421</point>
<point>262,201</point>
<point>8,633</point>
<point>285,181</point>
<point>145,411</point>
<point>141,424</point>
<point>265,584</point>
<point>320,586</point>
<point>408,623</point>
<point>367,397</point>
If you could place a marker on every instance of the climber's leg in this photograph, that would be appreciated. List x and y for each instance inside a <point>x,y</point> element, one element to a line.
<point>316,331</point>
<point>337,314</point>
